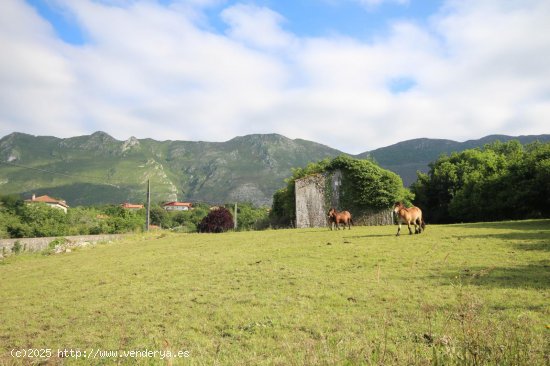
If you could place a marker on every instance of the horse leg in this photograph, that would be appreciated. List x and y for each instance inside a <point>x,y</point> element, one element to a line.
<point>419,223</point>
<point>398,229</point>
<point>409,226</point>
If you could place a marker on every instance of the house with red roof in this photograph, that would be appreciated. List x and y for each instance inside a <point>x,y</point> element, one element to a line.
<point>177,206</point>
<point>131,206</point>
<point>52,202</point>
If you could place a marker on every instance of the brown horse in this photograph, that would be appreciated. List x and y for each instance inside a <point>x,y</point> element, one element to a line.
<point>335,217</point>
<point>411,215</point>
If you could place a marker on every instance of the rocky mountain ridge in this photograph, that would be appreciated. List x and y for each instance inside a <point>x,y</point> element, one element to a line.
<point>97,168</point>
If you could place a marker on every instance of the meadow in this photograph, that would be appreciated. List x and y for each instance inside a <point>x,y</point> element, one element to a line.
<point>471,294</point>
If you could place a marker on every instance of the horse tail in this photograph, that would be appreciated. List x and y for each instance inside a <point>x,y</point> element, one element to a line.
<point>423,224</point>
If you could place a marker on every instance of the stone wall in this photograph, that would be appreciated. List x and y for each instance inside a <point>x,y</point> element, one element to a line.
<point>310,201</point>
<point>374,217</point>
<point>38,244</point>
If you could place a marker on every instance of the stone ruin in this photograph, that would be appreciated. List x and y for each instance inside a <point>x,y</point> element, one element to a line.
<point>317,193</point>
<point>310,201</point>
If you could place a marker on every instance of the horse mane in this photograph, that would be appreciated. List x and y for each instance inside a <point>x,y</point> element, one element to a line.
<point>402,206</point>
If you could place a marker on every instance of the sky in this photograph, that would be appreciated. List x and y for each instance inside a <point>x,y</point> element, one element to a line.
<point>355,75</point>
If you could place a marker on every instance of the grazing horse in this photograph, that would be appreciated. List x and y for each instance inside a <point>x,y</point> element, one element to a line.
<point>335,217</point>
<point>411,215</point>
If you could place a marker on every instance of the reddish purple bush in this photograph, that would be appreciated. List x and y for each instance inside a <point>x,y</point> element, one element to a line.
<point>216,221</point>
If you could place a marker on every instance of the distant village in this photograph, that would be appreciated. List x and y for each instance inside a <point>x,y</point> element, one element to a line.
<point>62,204</point>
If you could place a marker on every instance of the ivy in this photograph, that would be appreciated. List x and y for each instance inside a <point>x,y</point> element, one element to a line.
<point>364,186</point>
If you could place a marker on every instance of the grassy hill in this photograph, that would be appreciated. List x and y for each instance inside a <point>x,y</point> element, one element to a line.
<point>454,295</point>
<point>99,169</point>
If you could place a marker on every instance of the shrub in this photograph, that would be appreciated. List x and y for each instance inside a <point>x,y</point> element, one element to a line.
<point>56,242</point>
<point>17,247</point>
<point>20,230</point>
<point>216,221</point>
<point>53,244</point>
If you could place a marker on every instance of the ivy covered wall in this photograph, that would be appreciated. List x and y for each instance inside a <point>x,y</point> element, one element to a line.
<point>358,186</point>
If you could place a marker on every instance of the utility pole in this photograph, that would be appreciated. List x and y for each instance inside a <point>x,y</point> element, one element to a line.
<point>235,218</point>
<point>147,218</point>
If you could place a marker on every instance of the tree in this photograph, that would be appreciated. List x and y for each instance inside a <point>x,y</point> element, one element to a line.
<point>250,217</point>
<point>40,220</point>
<point>283,210</point>
<point>10,202</point>
<point>160,217</point>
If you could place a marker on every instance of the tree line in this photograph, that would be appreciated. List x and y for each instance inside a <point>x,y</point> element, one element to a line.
<point>19,219</point>
<point>501,181</point>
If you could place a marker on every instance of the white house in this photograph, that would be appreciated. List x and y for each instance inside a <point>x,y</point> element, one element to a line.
<point>52,202</point>
<point>177,206</point>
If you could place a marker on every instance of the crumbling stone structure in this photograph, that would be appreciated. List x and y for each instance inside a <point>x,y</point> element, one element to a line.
<point>317,193</point>
<point>310,201</point>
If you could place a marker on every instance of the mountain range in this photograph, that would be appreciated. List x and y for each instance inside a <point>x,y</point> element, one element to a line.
<point>97,168</point>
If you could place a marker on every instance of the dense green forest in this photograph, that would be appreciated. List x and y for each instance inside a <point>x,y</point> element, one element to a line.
<point>21,220</point>
<point>500,181</point>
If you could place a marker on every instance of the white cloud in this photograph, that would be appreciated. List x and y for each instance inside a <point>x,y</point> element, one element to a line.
<point>35,76</point>
<point>150,66</point>
<point>156,71</point>
<point>256,26</point>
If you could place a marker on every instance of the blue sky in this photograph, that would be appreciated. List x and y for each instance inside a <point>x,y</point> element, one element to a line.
<point>317,18</point>
<point>65,26</point>
<point>352,74</point>
<point>306,18</point>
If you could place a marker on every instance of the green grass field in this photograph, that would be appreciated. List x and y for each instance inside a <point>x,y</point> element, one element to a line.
<point>475,294</point>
